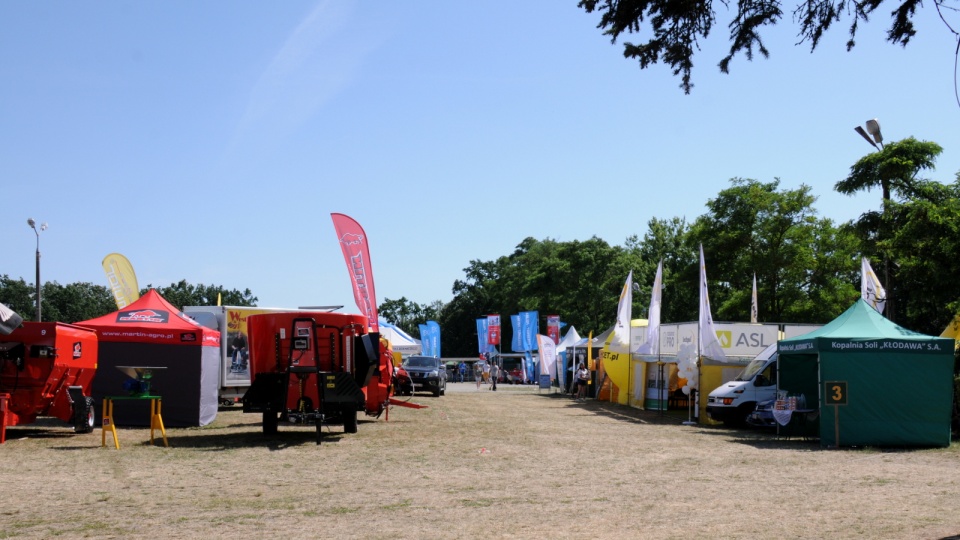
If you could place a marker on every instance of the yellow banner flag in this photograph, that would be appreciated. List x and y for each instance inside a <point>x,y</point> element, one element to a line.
<point>121,279</point>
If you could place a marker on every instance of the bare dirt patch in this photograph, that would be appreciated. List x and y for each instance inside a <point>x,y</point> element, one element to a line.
<point>516,463</point>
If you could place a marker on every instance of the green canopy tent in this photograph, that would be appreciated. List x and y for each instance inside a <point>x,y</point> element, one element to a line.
<point>869,382</point>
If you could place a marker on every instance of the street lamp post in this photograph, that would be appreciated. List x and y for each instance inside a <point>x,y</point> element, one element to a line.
<point>43,227</point>
<point>875,138</point>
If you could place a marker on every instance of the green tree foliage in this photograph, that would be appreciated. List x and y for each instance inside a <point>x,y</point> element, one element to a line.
<point>76,302</point>
<point>407,315</point>
<point>805,266</point>
<point>925,245</point>
<point>184,294</point>
<point>17,295</point>
<point>580,281</point>
<point>82,301</point>
<point>673,28</point>
<point>63,303</point>
<point>894,171</point>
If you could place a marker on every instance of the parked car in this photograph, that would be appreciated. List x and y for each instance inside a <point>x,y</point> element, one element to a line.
<point>422,374</point>
<point>762,416</point>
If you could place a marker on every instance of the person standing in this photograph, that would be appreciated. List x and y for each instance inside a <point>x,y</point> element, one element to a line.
<point>583,375</point>
<point>477,373</point>
<point>486,371</point>
<point>494,374</point>
<point>462,368</point>
<point>239,346</point>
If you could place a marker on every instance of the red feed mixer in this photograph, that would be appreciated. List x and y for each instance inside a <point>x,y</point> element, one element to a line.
<point>315,368</point>
<point>45,370</point>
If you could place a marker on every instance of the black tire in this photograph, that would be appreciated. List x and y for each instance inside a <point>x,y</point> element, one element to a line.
<point>270,420</point>
<point>436,393</point>
<point>739,418</point>
<point>350,421</point>
<point>83,416</point>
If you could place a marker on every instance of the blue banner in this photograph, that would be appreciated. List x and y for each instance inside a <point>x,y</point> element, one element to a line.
<point>482,335</point>
<point>425,340</point>
<point>516,344</point>
<point>434,327</point>
<point>529,321</point>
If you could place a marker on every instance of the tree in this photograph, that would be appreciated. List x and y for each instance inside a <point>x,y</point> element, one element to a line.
<point>17,295</point>
<point>184,294</point>
<point>925,242</point>
<point>677,26</point>
<point>580,281</point>
<point>805,266</point>
<point>894,170</point>
<point>407,315</point>
<point>76,302</point>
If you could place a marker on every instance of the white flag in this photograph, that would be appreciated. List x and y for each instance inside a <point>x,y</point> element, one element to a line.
<point>650,346</point>
<point>753,303</point>
<point>710,346</point>
<point>548,355</point>
<point>870,288</point>
<point>621,332</point>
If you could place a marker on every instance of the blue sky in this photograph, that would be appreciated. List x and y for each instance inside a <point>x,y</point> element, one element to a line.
<point>210,141</point>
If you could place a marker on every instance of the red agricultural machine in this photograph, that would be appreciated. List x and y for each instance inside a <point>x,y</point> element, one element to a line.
<point>45,370</point>
<point>315,368</point>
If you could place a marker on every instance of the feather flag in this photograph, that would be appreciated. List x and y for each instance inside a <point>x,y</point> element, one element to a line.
<point>621,332</point>
<point>122,279</point>
<point>651,345</point>
<point>753,301</point>
<point>548,355</point>
<point>870,288</point>
<point>710,346</point>
<point>356,253</point>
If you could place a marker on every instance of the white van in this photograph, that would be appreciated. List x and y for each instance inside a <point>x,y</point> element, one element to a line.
<point>732,402</point>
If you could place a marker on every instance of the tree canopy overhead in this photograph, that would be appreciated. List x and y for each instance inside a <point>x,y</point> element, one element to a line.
<point>678,25</point>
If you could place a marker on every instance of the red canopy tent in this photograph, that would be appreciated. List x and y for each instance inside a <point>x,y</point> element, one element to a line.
<point>152,333</point>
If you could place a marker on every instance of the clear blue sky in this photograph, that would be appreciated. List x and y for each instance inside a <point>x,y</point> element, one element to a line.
<point>210,141</point>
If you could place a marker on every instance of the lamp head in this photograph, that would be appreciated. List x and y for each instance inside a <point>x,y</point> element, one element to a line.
<point>873,128</point>
<point>31,223</point>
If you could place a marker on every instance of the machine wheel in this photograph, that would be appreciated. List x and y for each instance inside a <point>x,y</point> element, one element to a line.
<point>350,421</point>
<point>436,393</point>
<point>83,415</point>
<point>270,419</point>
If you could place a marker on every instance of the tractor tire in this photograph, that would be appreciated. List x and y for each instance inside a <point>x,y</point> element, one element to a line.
<point>270,420</point>
<point>350,421</point>
<point>83,415</point>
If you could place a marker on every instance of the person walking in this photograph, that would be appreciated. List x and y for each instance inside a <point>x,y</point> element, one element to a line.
<point>462,368</point>
<point>583,375</point>
<point>494,374</point>
<point>486,371</point>
<point>477,373</point>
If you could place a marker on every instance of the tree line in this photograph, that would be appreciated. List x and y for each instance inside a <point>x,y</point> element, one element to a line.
<point>807,266</point>
<point>82,301</point>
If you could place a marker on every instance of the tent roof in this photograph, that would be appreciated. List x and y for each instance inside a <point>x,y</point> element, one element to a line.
<point>569,340</point>
<point>860,323</point>
<point>151,319</point>
<point>400,341</point>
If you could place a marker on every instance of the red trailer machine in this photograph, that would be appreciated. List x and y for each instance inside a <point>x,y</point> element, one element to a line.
<point>45,370</point>
<point>313,368</point>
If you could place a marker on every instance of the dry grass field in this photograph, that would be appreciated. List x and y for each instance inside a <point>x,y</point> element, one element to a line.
<point>517,463</point>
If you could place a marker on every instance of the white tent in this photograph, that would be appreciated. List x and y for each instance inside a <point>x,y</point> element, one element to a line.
<point>400,341</point>
<point>568,340</point>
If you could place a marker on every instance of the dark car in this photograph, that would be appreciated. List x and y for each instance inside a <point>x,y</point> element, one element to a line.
<point>424,374</point>
<point>762,416</point>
